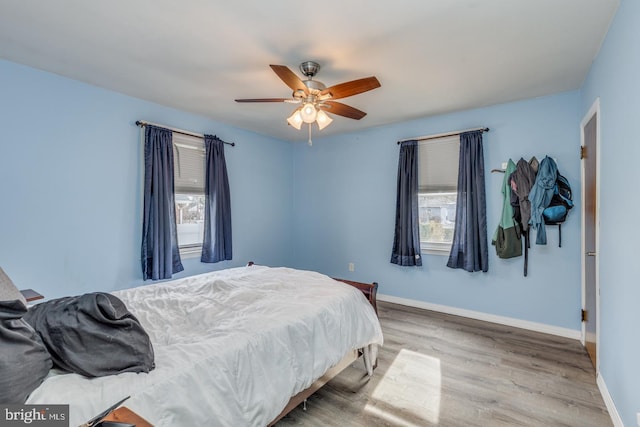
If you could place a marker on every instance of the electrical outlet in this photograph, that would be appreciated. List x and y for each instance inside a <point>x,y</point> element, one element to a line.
<point>638,418</point>
<point>352,267</point>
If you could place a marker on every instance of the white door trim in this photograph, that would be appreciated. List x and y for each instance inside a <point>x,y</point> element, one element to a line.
<point>595,109</point>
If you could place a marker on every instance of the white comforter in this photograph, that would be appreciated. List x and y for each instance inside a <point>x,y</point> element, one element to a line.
<point>231,347</point>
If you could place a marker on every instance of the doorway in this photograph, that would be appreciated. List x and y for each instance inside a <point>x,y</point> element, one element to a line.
<point>590,150</point>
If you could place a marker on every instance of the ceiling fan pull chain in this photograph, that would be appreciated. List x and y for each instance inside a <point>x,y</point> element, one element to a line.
<point>310,141</point>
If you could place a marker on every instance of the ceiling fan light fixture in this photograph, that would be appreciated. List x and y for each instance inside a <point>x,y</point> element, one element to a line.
<point>308,113</point>
<point>323,119</point>
<point>295,119</point>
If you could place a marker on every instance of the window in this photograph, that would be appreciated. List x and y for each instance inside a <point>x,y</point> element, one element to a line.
<point>189,175</point>
<point>437,184</point>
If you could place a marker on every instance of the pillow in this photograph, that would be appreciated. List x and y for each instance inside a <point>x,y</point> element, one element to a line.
<point>8,291</point>
<point>93,335</point>
<point>24,360</point>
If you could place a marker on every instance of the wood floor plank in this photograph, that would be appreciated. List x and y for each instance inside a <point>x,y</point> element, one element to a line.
<point>443,370</point>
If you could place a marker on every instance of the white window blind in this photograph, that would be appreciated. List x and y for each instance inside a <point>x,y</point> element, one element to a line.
<point>188,164</point>
<point>438,164</point>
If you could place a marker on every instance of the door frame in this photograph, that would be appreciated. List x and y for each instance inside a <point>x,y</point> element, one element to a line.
<point>595,109</point>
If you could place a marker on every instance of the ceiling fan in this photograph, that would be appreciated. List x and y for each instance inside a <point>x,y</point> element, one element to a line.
<point>315,98</point>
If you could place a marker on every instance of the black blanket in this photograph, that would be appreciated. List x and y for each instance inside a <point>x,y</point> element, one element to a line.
<point>24,361</point>
<point>93,335</point>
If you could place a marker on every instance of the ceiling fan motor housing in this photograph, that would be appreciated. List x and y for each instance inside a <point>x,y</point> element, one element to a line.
<point>314,86</point>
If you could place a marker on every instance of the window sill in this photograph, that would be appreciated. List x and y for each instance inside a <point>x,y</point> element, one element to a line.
<point>190,252</point>
<point>442,251</point>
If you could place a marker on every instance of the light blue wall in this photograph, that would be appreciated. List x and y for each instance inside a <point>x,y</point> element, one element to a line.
<point>344,204</point>
<point>615,79</point>
<point>70,185</point>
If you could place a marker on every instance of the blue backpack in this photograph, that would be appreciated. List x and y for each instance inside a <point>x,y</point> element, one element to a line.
<point>561,203</point>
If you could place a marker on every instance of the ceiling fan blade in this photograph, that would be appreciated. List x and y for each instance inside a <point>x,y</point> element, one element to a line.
<point>351,88</point>
<point>264,100</point>
<point>290,78</point>
<point>343,110</point>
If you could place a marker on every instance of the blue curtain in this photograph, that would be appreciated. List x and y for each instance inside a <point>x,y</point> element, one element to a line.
<point>469,250</point>
<point>217,211</point>
<point>406,239</point>
<point>160,252</point>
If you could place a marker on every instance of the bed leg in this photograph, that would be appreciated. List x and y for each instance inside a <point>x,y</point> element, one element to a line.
<point>304,405</point>
<point>370,358</point>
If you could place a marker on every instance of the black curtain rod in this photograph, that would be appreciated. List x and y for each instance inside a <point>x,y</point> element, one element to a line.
<point>441,135</point>
<point>180,131</point>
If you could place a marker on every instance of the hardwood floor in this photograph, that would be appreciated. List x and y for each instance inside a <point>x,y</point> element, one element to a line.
<point>442,370</point>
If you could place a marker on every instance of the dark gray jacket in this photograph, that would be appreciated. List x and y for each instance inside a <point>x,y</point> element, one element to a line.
<point>522,181</point>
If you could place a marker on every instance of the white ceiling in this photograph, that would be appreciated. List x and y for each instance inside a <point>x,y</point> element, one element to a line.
<point>431,56</point>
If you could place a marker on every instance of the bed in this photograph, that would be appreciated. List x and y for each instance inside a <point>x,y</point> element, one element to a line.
<point>232,347</point>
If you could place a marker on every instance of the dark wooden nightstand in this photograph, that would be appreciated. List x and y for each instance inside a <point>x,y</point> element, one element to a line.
<point>31,295</point>
<point>369,290</point>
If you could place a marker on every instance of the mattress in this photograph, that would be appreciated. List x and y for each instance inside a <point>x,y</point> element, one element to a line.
<point>231,347</point>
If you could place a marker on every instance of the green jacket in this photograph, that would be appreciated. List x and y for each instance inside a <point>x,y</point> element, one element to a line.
<point>506,238</point>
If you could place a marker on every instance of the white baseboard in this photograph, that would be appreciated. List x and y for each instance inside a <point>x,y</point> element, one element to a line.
<point>509,321</point>
<point>611,407</point>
